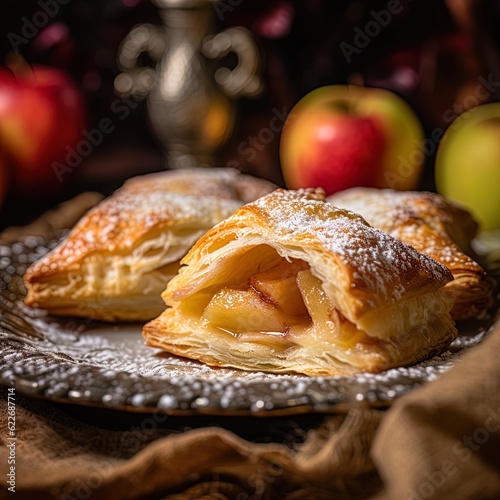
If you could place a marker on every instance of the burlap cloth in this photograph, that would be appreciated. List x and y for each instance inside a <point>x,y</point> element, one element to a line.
<point>441,441</point>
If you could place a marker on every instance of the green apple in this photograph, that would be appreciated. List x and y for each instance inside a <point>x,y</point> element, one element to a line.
<point>468,164</point>
<point>342,136</point>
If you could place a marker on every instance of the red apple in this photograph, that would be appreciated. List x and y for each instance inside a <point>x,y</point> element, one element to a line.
<point>4,177</point>
<point>41,114</point>
<point>339,137</point>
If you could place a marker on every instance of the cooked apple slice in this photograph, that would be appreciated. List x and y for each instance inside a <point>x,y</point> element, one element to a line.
<point>243,311</point>
<point>315,299</point>
<point>326,319</point>
<point>278,286</point>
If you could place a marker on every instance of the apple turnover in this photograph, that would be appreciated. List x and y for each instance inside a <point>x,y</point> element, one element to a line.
<point>292,284</point>
<point>115,262</point>
<point>434,227</point>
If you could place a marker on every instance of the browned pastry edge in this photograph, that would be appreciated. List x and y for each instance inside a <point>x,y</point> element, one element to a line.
<point>433,226</point>
<point>167,210</point>
<point>368,275</point>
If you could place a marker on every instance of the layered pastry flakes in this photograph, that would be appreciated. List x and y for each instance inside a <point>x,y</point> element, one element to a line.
<point>292,284</point>
<point>433,226</point>
<point>115,262</point>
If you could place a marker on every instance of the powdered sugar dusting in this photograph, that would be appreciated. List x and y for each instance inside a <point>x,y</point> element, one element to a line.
<point>123,219</point>
<point>383,264</point>
<point>222,183</point>
<point>198,196</point>
<point>387,208</point>
<point>418,218</point>
<point>80,363</point>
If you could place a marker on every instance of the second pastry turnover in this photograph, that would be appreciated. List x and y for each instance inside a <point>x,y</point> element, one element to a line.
<point>115,262</point>
<point>292,284</point>
<point>433,226</point>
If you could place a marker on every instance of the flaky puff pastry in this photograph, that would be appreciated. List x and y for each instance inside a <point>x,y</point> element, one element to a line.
<point>226,183</point>
<point>433,226</point>
<point>292,284</point>
<point>115,262</point>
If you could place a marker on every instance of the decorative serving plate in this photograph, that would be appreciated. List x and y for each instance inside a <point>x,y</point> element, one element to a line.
<point>89,363</point>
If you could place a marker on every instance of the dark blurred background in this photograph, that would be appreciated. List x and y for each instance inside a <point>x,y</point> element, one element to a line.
<point>431,54</point>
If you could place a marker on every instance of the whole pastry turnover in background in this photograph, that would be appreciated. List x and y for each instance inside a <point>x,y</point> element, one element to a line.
<point>224,183</point>
<point>292,284</point>
<point>115,262</point>
<point>434,227</point>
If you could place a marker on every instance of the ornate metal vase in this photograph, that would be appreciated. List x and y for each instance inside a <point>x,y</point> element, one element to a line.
<point>190,96</point>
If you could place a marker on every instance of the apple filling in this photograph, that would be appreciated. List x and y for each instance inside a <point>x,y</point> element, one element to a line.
<point>271,302</point>
<point>282,306</point>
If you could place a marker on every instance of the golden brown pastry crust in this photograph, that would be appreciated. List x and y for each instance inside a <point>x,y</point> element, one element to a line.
<point>433,226</point>
<point>114,263</point>
<point>374,287</point>
<point>222,183</point>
